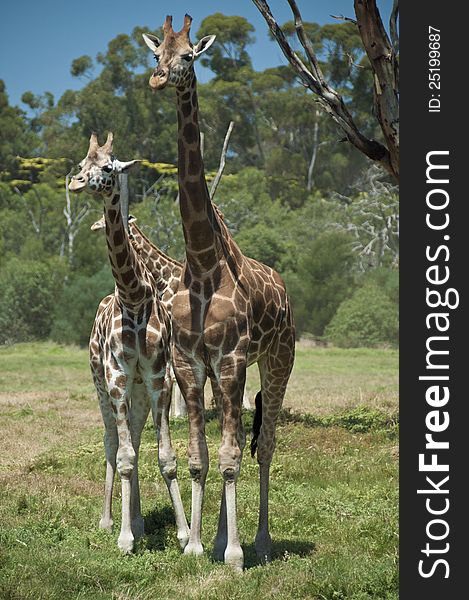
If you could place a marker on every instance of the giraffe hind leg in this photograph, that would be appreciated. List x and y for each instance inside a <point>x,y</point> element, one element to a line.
<point>167,460</point>
<point>274,373</point>
<point>139,409</point>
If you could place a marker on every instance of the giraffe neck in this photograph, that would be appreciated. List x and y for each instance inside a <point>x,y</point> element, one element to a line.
<point>133,286</point>
<point>199,223</point>
<point>157,261</point>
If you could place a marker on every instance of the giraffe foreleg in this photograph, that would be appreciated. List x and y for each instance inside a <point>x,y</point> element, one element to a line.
<point>191,376</point>
<point>119,391</point>
<point>231,381</point>
<point>110,446</point>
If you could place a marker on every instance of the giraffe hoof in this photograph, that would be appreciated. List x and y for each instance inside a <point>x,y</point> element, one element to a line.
<point>183,538</point>
<point>126,543</point>
<point>234,557</point>
<point>194,548</point>
<point>106,524</point>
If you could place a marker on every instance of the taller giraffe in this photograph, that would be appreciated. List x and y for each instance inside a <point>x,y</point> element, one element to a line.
<point>129,354</point>
<point>229,312</point>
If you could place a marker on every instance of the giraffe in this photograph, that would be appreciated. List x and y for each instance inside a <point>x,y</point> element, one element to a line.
<point>159,264</point>
<point>162,267</point>
<point>169,270</point>
<point>129,354</point>
<point>230,311</point>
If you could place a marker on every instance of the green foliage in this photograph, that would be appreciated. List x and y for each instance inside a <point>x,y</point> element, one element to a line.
<point>81,65</point>
<point>228,54</point>
<point>28,290</point>
<point>361,419</point>
<point>368,318</point>
<point>323,279</point>
<point>76,307</point>
<point>16,137</point>
<point>279,210</point>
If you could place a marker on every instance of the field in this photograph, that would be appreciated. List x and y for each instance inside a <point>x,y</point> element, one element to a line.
<point>333,488</point>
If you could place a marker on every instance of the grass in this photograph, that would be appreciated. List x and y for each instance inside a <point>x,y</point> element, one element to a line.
<point>333,492</point>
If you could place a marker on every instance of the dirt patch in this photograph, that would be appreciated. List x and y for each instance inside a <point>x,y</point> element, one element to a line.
<point>33,423</point>
<point>51,484</point>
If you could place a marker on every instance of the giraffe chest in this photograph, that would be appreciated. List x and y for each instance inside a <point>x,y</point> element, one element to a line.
<point>137,337</point>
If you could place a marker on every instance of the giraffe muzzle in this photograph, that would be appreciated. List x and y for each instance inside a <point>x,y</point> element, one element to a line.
<point>77,184</point>
<point>159,80</point>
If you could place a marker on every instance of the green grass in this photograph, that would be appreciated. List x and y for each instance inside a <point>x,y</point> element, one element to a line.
<point>323,379</point>
<point>333,502</point>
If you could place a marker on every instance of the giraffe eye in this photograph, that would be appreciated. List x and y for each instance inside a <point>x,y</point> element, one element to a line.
<point>187,57</point>
<point>107,168</point>
<point>157,58</point>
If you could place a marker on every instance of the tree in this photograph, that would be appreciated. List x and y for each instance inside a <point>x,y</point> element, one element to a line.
<point>322,280</point>
<point>228,54</point>
<point>372,217</point>
<point>16,139</point>
<point>382,55</point>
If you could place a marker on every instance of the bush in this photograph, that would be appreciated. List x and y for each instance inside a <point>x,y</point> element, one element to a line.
<point>76,309</point>
<point>368,318</point>
<point>28,294</point>
<point>324,278</point>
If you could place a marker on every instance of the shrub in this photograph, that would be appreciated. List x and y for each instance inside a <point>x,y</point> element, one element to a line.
<point>28,294</point>
<point>76,309</point>
<point>368,318</point>
<point>323,280</point>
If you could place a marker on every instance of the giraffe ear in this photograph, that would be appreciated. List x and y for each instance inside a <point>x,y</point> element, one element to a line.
<point>122,167</point>
<point>100,224</point>
<point>203,44</point>
<point>151,41</point>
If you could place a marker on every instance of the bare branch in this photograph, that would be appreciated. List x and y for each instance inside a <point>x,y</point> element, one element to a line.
<point>314,154</point>
<point>306,43</point>
<point>327,97</point>
<point>36,227</point>
<point>342,18</point>
<point>393,26</point>
<point>385,67</point>
<point>221,168</point>
<point>74,217</point>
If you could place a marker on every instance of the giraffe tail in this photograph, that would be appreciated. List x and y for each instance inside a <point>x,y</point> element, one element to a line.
<point>257,422</point>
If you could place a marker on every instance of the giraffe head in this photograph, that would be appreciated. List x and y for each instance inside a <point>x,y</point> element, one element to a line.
<point>99,169</point>
<point>175,54</point>
<point>100,224</point>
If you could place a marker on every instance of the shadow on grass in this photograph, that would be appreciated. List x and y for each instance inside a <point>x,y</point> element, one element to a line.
<point>359,419</point>
<point>281,549</point>
<point>157,523</point>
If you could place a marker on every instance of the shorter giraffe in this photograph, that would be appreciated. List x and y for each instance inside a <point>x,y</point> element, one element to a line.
<point>165,269</point>
<point>129,354</point>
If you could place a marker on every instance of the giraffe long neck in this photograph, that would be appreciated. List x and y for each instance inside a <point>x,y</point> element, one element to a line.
<point>133,286</point>
<point>159,263</point>
<point>199,223</point>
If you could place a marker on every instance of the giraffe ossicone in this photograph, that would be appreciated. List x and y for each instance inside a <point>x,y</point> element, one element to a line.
<point>129,355</point>
<point>230,311</point>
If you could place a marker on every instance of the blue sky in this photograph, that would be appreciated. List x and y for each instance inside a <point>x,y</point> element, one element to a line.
<point>40,38</point>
